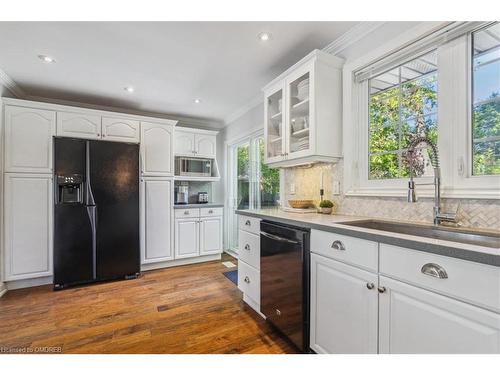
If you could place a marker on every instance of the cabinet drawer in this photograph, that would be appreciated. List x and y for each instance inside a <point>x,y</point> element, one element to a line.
<point>249,281</point>
<point>249,248</point>
<point>211,211</point>
<point>351,250</point>
<point>186,212</point>
<point>250,224</point>
<point>472,282</point>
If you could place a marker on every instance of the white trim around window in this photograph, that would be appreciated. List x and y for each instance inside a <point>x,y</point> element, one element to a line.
<point>454,127</point>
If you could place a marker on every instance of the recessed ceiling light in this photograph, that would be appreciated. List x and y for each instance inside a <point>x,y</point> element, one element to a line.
<point>129,89</point>
<point>264,37</point>
<point>46,59</point>
<point>197,101</point>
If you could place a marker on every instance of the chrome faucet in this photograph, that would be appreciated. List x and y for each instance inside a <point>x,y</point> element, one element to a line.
<point>439,216</point>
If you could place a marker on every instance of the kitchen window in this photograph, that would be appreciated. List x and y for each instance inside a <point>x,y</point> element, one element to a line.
<point>442,83</point>
<point>403,105</point>
<point>486,101</point>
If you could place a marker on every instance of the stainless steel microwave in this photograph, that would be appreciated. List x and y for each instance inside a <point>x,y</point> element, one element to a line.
<point>194,167</point>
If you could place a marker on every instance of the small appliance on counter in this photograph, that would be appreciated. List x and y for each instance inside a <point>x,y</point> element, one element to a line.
<point>182,194</point>
<point>202,197</point>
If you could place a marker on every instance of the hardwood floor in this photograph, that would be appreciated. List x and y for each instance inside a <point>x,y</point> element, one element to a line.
<point>187,309</point>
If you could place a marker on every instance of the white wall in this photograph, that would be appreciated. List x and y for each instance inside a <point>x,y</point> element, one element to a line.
<point>3,93</point>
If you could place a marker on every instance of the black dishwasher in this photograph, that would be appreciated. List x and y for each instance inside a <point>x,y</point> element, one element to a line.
<point>284,280</point>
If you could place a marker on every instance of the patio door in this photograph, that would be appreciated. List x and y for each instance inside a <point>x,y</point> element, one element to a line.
<point>251,184</point>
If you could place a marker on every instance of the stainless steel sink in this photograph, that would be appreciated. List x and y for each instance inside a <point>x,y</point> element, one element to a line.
<point>472,237</point>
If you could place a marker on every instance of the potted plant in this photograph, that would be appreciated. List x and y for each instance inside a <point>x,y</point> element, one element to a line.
<point>326,206</point>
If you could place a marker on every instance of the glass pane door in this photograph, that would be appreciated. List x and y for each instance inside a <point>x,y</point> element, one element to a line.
<point>243,175</point>
<point>298,126</point>
<point>268,194</point>
<point>274,113</point>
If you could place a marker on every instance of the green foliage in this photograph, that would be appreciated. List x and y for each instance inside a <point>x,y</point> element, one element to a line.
<point>326,204</point>
<point>486,124</point>
<point>397,116</point>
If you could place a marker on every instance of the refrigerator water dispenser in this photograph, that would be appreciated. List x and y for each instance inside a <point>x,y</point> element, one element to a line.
<point>69,189</point>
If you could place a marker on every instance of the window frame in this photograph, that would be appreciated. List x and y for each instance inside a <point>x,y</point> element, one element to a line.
<point>454,125</point>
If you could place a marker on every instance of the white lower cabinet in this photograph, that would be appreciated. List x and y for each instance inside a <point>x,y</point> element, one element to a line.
<point>198,235</point>
<point>156,220</point>
<point>344,308</point>
<point>27,225</point>
<point>210,235</point>
<point>414,320</point>
<point>186,238</point>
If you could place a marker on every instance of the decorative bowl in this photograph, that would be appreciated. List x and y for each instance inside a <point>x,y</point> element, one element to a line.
<point>300,203</point>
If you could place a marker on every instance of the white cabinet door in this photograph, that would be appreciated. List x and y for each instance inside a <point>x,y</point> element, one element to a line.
<point>156,220</point>
<point>28,139</point>
<point>205,146</point>
<point>186,238</point>
<point>414,320</point>
<point>157,149</point>
<point>78,125</point>
<point>120,130</point>
<point>210,235</point>
<point>184,143</point>
<point>344,308</point>
<point>28,226</point>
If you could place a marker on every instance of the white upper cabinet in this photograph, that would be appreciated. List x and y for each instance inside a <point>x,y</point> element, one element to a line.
<point>78,125</point>
<point>28,139</point>
<point>27,225</point>
<point>344,308</point>
<point>303,112</point>
<point>195,142</point>
<point>157,157</point>
<point>184,143</point>
<point>120,130</point>
<point>156,220</point>
<point>416,321</point>
<point>211,235</point>
<point>205,146</point>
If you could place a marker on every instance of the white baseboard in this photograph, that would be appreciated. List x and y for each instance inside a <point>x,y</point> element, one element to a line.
<point>28,283</point>
<point>253,304</point>
<point>2,292</point>
<point>233,253</point>
<point>180,262</point>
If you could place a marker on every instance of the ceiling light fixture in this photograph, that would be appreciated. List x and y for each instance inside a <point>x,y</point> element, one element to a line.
<point>197,101</point>
<point>264,37</point>
<point>129,89</point>
<point>46,59</point>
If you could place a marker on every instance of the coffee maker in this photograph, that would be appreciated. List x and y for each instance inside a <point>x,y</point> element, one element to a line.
<point>182,194</point>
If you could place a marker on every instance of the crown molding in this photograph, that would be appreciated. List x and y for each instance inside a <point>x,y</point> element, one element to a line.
<point>11,85</point>
<point>243,109</point>
<point>351,36</point>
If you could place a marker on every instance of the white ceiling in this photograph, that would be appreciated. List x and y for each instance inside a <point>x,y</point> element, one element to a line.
<point>168,63</point>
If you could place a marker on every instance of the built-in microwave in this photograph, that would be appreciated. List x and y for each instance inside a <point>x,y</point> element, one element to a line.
<point>194,167</point>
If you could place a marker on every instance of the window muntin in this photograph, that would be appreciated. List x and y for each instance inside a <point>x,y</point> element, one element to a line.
<point>486,101</point>
<point>402,105</point>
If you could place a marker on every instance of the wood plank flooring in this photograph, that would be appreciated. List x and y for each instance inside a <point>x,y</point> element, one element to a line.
<point>187,309</point>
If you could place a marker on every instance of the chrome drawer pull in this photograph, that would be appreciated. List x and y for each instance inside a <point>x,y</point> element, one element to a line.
<point>381,289</point>
<point>338,245</point>
<point>211,211</point>
<point>186,212</point>
<point>434,270</point>
<point>370,285</point>
<point>248,223</point>
<point>247,247</point>
<point>247,279</point>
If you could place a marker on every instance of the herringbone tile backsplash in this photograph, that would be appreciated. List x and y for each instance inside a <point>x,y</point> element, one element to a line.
<point>476,213</point>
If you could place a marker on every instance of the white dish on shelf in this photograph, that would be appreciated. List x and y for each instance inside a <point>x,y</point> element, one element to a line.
<point>303,83</point>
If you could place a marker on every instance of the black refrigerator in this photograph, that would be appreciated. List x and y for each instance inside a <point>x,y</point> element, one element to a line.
<point>96,211</point>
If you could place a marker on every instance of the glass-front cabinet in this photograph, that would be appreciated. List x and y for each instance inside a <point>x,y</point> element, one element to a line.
<point>303,112</point>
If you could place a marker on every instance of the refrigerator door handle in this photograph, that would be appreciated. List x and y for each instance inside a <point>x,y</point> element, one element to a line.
<point>91,211</point>
<point>89,196</point>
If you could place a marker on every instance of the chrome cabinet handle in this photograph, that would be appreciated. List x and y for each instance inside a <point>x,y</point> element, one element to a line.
<point>434,270</point>
<point>248,223</point>
<point>211,211</point>
<point>381,289</point>
<point>247,279</point>
<point>186,212</point>
<point>278,238</point>
<point>370,285</point>
<point>247,247</point>
<point>338,245</point>
<point>278,312</point>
